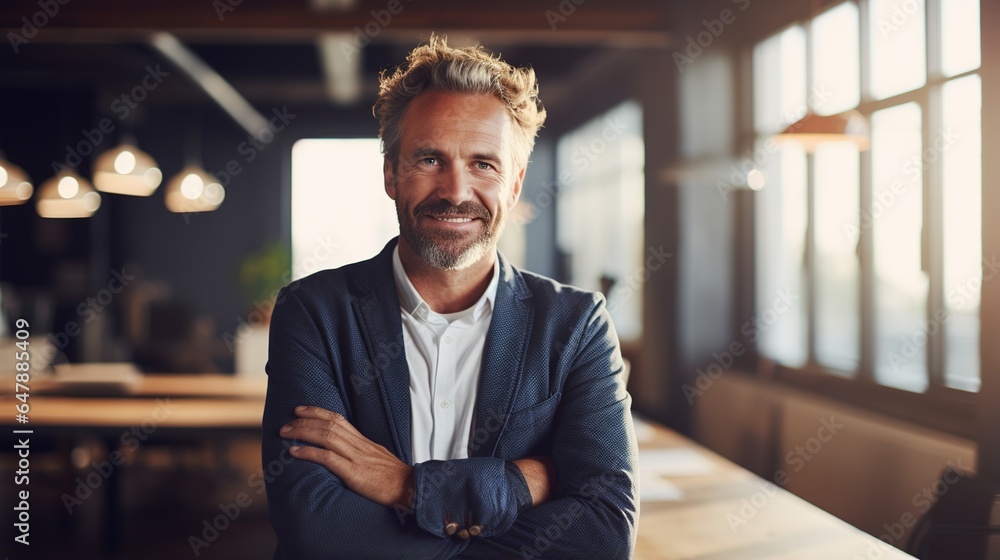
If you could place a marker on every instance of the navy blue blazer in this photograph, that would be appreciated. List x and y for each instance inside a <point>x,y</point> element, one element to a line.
<point>551,384</point>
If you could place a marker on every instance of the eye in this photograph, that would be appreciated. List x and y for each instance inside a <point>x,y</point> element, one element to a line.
<point>482,165</point>
<point>429,160</point>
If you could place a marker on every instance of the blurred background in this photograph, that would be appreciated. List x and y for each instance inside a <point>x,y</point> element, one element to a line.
<point>785,202</point>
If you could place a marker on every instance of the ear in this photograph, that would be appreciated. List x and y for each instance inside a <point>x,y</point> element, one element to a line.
<point>515,192</point>
<point>388,178</point>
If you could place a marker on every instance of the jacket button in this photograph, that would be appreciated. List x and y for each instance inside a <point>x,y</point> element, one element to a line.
<point>463,534</point>
<point>475,530</point>
<point>450,528</point>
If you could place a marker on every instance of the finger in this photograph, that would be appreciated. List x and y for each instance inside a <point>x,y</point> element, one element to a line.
<point>334,463</point>
<point>316,412</point>
<point>333,431</point>
<point>322,437</point>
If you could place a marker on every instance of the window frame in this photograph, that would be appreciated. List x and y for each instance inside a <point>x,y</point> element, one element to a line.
<point>939,407</point>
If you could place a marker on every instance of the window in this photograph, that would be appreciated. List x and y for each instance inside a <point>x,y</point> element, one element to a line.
<point>884,246</point>
<point>600,211</point>
<point>340,212</point>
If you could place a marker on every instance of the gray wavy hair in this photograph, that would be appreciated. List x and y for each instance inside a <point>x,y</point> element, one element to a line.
<point>472,70</point>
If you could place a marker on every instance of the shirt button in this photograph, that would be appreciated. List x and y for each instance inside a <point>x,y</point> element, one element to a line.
<point>447,340</point>
<point>445,404</point>
<point>450,528</point>
<point>463,534</point>
<point>475,530</point>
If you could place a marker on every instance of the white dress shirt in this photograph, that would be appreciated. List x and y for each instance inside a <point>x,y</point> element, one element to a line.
<point>444,352</point>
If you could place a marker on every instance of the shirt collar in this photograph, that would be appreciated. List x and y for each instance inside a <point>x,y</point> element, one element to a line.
<point>411,302</point>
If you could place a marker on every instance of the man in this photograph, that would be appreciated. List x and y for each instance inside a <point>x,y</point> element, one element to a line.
<point>435,401</point>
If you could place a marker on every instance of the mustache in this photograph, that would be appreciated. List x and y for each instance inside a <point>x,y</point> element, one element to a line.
<point>441,207</point>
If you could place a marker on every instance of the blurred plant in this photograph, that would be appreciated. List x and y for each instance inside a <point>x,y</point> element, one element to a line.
<point>263,273</point>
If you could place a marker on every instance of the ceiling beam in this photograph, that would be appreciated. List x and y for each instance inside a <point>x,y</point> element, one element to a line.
<point>376,16</point>
<point>211,82</point>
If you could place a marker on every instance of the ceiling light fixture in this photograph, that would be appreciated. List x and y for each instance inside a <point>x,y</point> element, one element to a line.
<point>67,195</point>
<point>813,130</point>
<point>193,190</point>
<point>15,186</point>
<point>127,170</point>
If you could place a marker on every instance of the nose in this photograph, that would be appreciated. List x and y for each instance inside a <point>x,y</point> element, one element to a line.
<point>455,185</point>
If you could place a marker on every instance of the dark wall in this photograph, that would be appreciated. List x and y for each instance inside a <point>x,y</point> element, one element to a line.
<point>197,256</point>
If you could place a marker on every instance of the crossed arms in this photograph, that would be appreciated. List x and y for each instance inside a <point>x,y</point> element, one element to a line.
<point>339,494</point>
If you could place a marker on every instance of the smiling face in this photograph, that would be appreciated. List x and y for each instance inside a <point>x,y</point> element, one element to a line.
<point>455,179</point>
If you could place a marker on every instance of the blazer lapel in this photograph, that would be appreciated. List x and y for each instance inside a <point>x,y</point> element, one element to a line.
<point>503,360</point>
<point>377,312</point>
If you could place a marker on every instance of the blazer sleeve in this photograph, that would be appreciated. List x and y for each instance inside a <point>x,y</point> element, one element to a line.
<point>596,510</point>
<point>313,514</point>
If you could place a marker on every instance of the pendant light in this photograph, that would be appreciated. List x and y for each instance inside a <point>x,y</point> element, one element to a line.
<point>193,189</point>
<point>127,170</point>
<point>67,195</point>
<point>813,130</point>
<point>15,186</point>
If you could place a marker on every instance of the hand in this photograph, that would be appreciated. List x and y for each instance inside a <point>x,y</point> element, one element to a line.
<point>540,474</point>
<point>365,467</point>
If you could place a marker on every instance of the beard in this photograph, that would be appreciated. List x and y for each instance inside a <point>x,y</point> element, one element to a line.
<point>449,250</point>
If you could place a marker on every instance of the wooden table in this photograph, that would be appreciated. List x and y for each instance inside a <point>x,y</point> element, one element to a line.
<point>727,512</point>
<point>176,407</point>
<point>720,511</point>
<point>173,402</point>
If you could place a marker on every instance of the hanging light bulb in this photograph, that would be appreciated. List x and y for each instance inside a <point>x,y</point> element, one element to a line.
<point>193,190</point>
<point>67,195</point>
<point>15,187</point>
<point>127,170</point>
<point>812,130</point>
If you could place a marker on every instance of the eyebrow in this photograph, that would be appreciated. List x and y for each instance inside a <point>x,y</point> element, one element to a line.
<point>427,152</point>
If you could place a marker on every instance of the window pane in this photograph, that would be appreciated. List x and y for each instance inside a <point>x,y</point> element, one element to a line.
<point>837,178</point>
<point>898,46</point>
<point>961,146</point>
<point>781,232</point>
<point>600,211</point>
<point>326,232</point>
<point>779,81</point>
<point>960,45</point>
<point>901,327</point>
<point>836,72</point>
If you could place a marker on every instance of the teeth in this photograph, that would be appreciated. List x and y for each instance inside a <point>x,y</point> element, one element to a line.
<point>455,220</point>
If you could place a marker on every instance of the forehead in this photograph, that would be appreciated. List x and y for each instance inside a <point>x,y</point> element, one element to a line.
<point>441,117</point>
